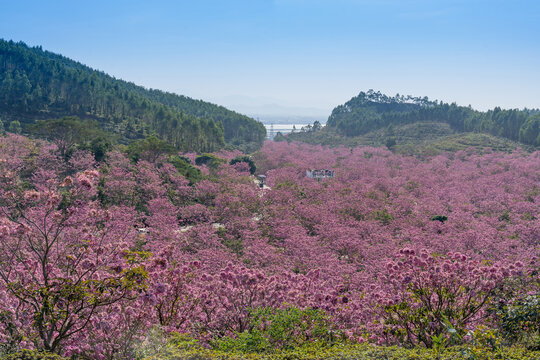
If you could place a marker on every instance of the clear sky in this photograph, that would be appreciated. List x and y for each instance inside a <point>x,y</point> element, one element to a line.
<point>298,53</point>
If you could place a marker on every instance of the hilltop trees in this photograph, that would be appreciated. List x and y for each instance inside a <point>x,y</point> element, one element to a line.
<point>529,132</point>
<point>372,110</point>
<point>37,84</point>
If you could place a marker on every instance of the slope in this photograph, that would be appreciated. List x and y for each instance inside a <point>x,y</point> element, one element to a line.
<point>372,111</point>
<point>406,122</point>
<point>37,84</point>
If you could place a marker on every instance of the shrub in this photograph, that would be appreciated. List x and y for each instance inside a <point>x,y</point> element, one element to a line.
<point>383,216</point>
<point>281,329</point>
<point>520,321</point>
<point>180,348</point>
<point>210,160</point>
<point>184,167</point>
<point>32,355</point>
<point>441,218</point>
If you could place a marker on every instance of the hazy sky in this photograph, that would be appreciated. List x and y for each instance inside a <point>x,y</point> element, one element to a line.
<point>301,53</point>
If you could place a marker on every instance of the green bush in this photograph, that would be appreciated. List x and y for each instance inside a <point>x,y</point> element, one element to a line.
<point>281,329</point>
<point>279,137</point>
<point>177,350</point>
<point>184,167</point>
<point>390,142</point>
<point>441,218</point>
<point>210,160</point>
<point>15,127</point>
<point>383,216</point>
<point>32,355</point>
<point>149,149</point>
<point>520,321</point>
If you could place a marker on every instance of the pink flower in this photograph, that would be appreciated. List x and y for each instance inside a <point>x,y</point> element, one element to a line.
<point>68,181</point>
<point>84,181</point>
<point>31,195</point>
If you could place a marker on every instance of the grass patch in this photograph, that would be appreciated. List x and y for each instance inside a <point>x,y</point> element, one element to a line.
<point>417,139</point>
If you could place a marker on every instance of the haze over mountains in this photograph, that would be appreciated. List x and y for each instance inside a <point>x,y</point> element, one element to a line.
<point>271,110</point>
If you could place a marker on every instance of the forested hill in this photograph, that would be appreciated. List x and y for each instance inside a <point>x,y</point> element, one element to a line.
<point>37,84</point>
<point>372,110</point>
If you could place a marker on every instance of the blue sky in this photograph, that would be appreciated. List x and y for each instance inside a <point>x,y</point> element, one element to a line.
<point>298,53</point>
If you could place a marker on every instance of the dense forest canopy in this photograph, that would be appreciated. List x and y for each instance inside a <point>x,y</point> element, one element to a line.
<point>37,84</point>
<point>372,111</point>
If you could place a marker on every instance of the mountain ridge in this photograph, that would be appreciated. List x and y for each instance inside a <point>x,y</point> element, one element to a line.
<point>36,84</point>
<point>371,111</point>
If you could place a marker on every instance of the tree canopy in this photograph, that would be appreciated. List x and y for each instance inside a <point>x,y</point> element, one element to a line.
<point>67,132</point>
<point>372,111</point>
<point>37,84</point>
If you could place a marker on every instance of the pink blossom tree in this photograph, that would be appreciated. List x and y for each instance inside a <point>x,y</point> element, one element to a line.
<point>62,260</point>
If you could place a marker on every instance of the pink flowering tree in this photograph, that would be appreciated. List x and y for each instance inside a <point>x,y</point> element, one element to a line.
<point>428,295</point>
<point>62,260</point>
<point>227,297</point>
<point>171,292</point>
<point>76,274</point>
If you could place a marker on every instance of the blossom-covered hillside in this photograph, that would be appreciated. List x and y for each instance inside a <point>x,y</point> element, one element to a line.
<point>393,249</point>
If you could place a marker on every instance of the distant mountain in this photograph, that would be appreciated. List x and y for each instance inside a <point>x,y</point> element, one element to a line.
<point>271,110</point>
<point>370,111</point>
<point>289,119</point>
<point>37,84</point>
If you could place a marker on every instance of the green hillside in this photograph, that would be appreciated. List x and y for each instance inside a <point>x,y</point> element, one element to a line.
<point>418,125</point>
<point>419,138</point>
<point>37,85</point>
<point>372,110</point>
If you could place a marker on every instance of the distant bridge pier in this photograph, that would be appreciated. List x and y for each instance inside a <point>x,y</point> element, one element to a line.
<point>270,135</point>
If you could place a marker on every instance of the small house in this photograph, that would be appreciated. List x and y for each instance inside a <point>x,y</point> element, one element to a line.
<point>320,174</point>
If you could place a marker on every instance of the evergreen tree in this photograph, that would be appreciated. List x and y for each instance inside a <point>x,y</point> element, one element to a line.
<point>15,127</point>
<point>67,133</point>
